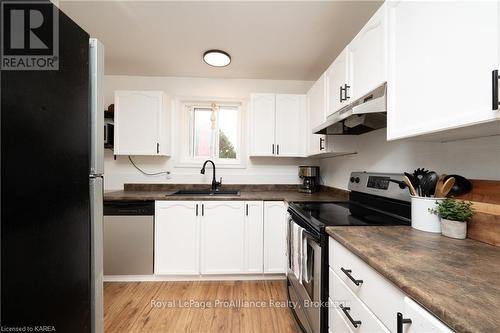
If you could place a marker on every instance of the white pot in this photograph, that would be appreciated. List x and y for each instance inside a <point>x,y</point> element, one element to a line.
<point>454,229</point>
<point>421,218</point>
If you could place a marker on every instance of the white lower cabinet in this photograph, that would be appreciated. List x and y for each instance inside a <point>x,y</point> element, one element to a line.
<point>274,237</point>
<point>222,237</point>
<point>421,320</point>
<point>219,237</point>
<point>345,262</point>
<point>254,236</point>
<point>336,322</point>
<point>176,238</point>
<point>355,313</point>
<point>371,298</point>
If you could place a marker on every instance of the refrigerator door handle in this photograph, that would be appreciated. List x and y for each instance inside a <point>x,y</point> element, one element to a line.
<point>97,270</point>
<point>96,69</point>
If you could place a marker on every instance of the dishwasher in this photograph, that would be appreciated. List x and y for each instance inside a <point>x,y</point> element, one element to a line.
<point>128,237</point>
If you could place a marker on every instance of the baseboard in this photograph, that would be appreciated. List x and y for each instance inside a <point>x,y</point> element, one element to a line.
<point>235,277</point>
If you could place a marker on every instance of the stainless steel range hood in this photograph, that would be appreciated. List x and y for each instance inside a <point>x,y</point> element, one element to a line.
<point>365,114</point>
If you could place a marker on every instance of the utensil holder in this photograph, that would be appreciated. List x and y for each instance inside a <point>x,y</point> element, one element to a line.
<point>421,218</point>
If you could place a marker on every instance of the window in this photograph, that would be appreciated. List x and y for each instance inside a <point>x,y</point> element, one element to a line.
<point>214,133</point>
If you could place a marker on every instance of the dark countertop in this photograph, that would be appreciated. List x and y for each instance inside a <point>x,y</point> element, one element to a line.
<point>267,195</point>
<point>457,280</point>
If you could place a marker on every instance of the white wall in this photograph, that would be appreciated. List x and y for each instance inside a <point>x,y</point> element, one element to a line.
<point>473,158</point>
<point>257,170</point>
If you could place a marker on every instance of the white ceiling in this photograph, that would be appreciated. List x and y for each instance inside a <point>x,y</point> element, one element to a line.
<point>288,40</point>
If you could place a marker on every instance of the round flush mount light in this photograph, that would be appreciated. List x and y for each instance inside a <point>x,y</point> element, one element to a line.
<point>217,58</point>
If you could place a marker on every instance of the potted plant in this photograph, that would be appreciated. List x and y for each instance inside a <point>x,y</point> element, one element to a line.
<point>454,216</point>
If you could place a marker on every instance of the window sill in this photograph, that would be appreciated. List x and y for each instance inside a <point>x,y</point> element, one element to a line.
<point>218,164</point>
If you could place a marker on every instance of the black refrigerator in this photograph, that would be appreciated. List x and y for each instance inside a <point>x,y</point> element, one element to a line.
<point>51,190</point>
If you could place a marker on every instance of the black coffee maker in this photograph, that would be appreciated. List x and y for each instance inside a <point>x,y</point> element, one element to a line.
<point>310,179</point>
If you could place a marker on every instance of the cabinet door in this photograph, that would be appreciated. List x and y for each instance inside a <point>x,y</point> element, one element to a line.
<point>274,237</point>
<point>222,237</point>
<point>336,321</point>
<point>441,57</point>
<point>336,78</point>
<point>254,236</point>
<point>138,118</point>
<point>421,320</point>
<point>368,56</point>
<point>176,237</point>
<point>316,110</point>
<point>290,129</point>
<point>262,119</point>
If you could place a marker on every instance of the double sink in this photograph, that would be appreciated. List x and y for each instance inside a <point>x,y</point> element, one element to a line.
<point>207,192</point>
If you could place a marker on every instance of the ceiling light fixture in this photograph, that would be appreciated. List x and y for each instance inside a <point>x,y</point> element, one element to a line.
<point>217,58</point>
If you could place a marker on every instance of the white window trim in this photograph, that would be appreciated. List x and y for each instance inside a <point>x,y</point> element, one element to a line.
<point>184,158</point>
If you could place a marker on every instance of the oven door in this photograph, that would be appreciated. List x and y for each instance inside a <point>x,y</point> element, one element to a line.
<point>306,291</point>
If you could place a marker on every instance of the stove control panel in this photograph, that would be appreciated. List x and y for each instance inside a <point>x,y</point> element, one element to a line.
<point>381,183</point>
<point>388,185</point>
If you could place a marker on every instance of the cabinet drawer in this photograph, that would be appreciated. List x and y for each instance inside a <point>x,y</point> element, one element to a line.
<point>380,295</point>
<point>421,320</point>
<point>353,307</point>
<point>336,323</point>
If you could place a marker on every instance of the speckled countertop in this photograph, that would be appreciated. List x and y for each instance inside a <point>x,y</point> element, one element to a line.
<point>289,193</point>
<point>457,280</point>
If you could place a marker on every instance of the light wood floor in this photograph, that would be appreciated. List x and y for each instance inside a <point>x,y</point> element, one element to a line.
<point>154,307</point>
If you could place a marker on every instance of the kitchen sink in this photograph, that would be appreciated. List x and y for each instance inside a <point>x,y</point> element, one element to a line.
<point>206,192</point>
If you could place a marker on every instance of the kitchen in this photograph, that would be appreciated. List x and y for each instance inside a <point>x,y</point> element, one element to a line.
<point>308,176</point>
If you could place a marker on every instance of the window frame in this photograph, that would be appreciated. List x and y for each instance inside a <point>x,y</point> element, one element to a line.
<point>186,117</point>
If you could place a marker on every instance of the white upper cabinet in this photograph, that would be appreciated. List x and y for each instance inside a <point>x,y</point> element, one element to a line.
<point>141,123</point>
<point>440,61</point>
<point>277,125</point>
<point>337,84</point>
<point>316,112</point>
<point>361,66</point>
<point>176,237</point>
<point>367,56</point>
<point>222,237</point>
<point>263,124</point>
<point>290,125</point>
<point>275,237</point>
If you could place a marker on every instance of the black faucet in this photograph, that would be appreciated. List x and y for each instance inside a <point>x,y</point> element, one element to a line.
<point>215,184</point>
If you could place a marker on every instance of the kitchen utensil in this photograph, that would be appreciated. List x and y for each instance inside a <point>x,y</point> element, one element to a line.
<point>418,174</point>
<point>446,187</point>
<point>411,178</point>
<point>462,185</point>
<point>439,186</point>
<point>410,185</point>
<point>428,184</point>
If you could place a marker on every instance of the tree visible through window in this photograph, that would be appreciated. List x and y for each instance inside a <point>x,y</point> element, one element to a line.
<point>226,148</point>
<point>215,132</point>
